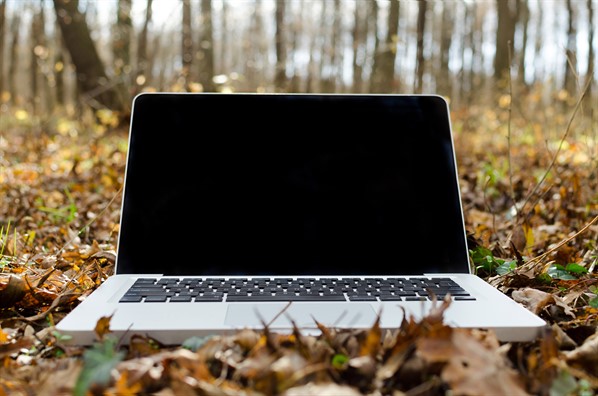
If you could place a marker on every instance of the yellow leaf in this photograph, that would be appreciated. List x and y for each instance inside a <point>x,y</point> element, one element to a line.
<point>3,337</point>
<point>529,235</point>
<point>124,389</point>
<point>103,326</point>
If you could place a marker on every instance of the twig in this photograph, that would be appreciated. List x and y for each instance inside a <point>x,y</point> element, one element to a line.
<point>556,154</point>
<point>563,242</point>
<point>510,110</point>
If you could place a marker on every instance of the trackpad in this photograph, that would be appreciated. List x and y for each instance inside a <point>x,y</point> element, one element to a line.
<point>329,314</point>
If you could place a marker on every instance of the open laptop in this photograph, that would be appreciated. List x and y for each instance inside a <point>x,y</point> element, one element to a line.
<point>236,204</point>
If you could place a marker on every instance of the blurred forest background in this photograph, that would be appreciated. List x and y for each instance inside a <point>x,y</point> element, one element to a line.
<point>65,54</point>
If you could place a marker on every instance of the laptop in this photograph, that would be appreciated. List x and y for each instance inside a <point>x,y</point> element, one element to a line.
<point>280,210</point>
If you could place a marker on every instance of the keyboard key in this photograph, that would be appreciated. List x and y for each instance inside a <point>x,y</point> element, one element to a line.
<point>129,299</point>
<point>155,299</point>
<point>180,299</point>
<point>284,298</point>
<point>361,298</point>
<point>388,297</point>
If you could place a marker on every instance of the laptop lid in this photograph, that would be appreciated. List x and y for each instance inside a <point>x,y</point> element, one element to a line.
<point>252,184</point>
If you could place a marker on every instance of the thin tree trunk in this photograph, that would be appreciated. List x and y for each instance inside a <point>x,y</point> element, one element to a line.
<point>59,65</point>
<point>570,53</point>
<point>143,73</point>
<point>35,46</point>
<point>91,74</point>
<point>121,44</point>
<point>206,47</point>
<point>335,52</point>
<point>2,40</point>
<point>523,23</point>
<point>505,34</point>
<point>281,58</point>
<point>444,85</point>
<point>187,45</point>
<point>14,58</point>
<point>374,77</point>
<point>590,68</point>
<point>421,27</point>
<point>358,31</point>
<point>387,66</point>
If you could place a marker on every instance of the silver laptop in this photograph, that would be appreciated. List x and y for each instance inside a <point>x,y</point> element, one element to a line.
<point>241,210</point>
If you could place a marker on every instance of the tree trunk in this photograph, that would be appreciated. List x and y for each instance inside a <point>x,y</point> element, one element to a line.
<point>36,49</point>
<point>385,57</point>
<point>143,73</point>
<point>446,34</point>
<point>59,65</point>
<point>505,34</point>
<point>374,76</point>
<point>91,75</point>
<point>358,58</point>
<point>590,68</point>
<point>281,56</point>
<point>121,44</point>
<point>421,27</point>
<point>570,53</point>
<point>187,45</point>
<point>336,57</point>
<point>205,53</point>
<point>523,22</point>
<point>14,58</point>
<point>2,40</point>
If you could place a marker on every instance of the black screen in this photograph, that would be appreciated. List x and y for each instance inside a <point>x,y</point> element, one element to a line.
<point>244,184</point>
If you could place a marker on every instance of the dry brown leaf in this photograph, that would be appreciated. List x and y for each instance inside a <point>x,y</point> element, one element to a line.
<point>372,343</point>
<point>102,326</point>
<point>533,299</point>
<point>12,290</point>
<point>586,355</point>
<point>322,390</point>
<point>473,369</point>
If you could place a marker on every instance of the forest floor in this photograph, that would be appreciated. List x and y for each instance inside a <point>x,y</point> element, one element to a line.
<point>530,196</point>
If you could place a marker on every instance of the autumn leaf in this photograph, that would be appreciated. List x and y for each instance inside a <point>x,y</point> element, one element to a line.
<point>103,327</point>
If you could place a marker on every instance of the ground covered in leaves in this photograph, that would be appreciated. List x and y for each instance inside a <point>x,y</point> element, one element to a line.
<point>530,194</point>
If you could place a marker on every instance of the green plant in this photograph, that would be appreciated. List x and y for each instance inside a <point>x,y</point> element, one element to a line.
<point>67,212</point>
<point>571,271</point>
<point>486,264</point>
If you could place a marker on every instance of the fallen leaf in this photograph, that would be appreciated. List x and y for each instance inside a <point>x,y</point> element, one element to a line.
<point>586,355</point>
<point>12,290</point>
<point>533,299</point>
<point>102,326</point>
<point>321,390</point>
<point>474,369</point>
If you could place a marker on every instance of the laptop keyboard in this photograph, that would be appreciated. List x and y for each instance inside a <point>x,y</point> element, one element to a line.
<point>173,290</point>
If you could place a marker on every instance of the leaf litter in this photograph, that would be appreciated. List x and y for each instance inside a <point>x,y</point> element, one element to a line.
<point>535,241</point>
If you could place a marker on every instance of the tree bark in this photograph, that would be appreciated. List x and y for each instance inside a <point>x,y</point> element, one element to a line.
<point>59,65</point>
<point>505,34</point>
<point>143,73</point>
<point>2,40</point>
<point>523,22</point>
<point>206,47</point>
<point>281,56</point>
<point>374,76</point>
<point>570,53</point>
<point>421,28</point>
<point>358,58</point>
<point>444,77</point>
<point>14,58</point>
<point>121,44</point>
<point>384,60</point>
<point>91,75</point>
<point>187,44</point>
<point>590,68</point>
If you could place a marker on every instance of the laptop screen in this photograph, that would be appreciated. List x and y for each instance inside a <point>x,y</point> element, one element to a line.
<point>245,184</point>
